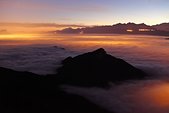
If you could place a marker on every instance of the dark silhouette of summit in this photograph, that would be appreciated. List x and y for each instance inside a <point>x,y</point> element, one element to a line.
<point>96,68</point>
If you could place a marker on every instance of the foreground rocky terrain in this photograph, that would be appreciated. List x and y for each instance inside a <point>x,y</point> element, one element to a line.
<point>25,92</point>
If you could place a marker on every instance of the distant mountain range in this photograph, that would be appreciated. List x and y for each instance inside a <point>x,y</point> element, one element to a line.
<point>129,28</point>
<point>162,27</point>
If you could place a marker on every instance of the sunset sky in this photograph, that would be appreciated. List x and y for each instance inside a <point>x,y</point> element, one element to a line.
<point>86,12</point>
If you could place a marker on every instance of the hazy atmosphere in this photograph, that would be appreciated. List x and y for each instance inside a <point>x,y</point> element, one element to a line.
<point>84,56</point>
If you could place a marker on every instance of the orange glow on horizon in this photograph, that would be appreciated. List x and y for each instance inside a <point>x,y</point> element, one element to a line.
<point>33,28</point>
<point>17,36</point>
<point>77,40</point>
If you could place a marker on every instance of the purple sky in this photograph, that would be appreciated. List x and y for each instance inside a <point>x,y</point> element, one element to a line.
<point>88,12</point>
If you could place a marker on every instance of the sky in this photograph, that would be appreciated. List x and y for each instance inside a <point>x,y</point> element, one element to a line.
<point>85,12</point>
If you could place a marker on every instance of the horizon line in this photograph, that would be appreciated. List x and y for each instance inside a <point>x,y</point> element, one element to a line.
<point>77,25</point>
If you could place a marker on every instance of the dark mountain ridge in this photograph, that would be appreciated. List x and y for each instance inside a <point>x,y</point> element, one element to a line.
<point>96,68</point>
<point>162,27</point>
<point>129,28</point>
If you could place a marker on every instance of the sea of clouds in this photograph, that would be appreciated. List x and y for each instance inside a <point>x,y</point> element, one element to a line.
<point>123,98</point>
<point>40,59</point>
<point>130,97</point>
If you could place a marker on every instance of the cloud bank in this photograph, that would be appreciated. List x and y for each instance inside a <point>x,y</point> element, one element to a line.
<point>37,59</point>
